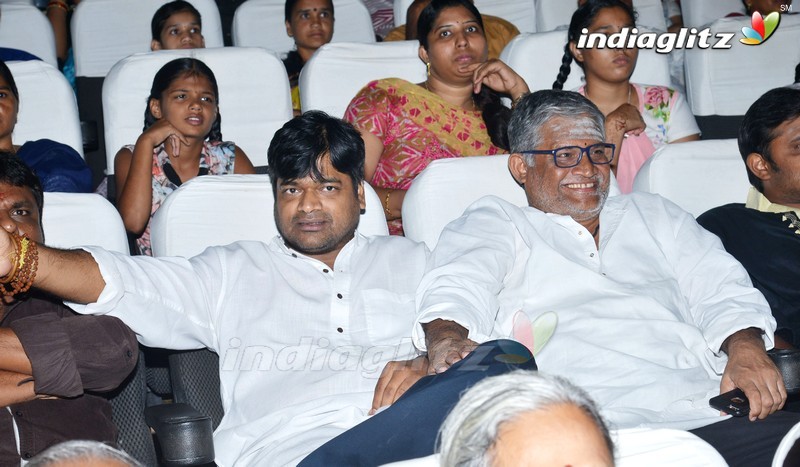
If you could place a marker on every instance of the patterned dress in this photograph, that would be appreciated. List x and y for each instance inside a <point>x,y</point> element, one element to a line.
<point>667,117</point>
<point>416,127</point>
<point>216,158</point>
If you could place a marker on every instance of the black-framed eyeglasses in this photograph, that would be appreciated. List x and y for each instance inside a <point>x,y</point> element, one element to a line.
<point>570,156</point>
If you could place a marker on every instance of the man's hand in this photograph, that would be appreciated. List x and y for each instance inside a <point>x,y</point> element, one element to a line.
<point>447,343</point>
<point>6,252</point>
<point>751,370</point>
<point>396,378</point>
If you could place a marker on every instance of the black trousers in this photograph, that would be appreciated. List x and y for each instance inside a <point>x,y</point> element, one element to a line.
<point>409,427</point>
<point>750,444</point>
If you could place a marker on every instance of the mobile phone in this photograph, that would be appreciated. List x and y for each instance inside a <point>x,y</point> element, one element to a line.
<point>732,403</point>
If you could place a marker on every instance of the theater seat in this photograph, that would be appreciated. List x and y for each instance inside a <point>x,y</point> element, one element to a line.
<point>221,209</point>
<point>261,23</point>
<point>336,72</point>
<point>42,89</point>
<point>698,13</point>
<point>697,176</point>
<point>722,84</point>
<point>254,98</point>
<point>520,13</point>
<point>548,48</point>
<point>553,14</point>
<point>24,27</point>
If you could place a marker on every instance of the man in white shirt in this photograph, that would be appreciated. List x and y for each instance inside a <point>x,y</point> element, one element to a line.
<point>304,324</point>
<point>654,317</point>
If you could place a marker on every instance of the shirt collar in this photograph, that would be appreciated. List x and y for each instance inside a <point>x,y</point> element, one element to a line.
<point>342,258</point>
<point>756,200</point>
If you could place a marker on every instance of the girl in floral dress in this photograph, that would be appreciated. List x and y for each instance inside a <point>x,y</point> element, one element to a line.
<point>181,140</point>
<point>640,118</point>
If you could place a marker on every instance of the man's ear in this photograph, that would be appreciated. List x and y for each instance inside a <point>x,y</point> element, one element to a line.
<point>289,29</point>
<point>759,166</point>
<point>518,167</point>
<point>155,108</point>
<point>577,53</point>
<point>362,202</point>
<point>155,45</point>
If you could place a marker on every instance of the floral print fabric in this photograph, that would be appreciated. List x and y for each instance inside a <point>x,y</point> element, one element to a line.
<point>667,117</point>
<point>216,156</point>
<point>416,127</point>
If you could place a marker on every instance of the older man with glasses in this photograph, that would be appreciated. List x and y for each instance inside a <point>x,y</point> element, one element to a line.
<point>654,317</point>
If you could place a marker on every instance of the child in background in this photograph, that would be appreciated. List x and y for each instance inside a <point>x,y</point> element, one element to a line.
<point>310,24</point>
<point>181,140</point>
<point>177,25</point>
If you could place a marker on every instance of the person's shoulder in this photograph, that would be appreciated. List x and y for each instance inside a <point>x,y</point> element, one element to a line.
<point>497,24</point>
<point>44,145</point>
<point>725,216</point>
<point>393,243</point>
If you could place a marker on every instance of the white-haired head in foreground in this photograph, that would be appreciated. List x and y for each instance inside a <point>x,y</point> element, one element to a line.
<point>82,453</point>
<point>525,418</point>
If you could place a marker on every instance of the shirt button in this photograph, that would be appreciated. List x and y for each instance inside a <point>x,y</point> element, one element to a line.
<point>340,330</point>
<point>325,271</point>
<point>591,255</point>
<point>129,354</point>
<point>18,413</point>
<point>338,295</point>
<point>294,255</point>
<point>27,455</point>
<point>580,232</point>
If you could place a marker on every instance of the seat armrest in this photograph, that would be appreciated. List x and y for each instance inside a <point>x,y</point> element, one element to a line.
<point>184,434</point>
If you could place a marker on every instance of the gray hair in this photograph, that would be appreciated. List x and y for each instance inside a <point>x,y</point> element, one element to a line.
<point>470,430</point>
<point>537,109</point>
<point>80,450</point>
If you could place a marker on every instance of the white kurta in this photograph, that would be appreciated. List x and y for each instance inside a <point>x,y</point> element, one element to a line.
<point>640,321</point>
<point>301,347</point>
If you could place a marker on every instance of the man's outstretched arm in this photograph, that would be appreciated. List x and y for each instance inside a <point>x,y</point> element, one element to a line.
<point>71,275</point>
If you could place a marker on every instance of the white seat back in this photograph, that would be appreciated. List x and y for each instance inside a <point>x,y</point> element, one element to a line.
<point>697,175</point>
<point>218,210</point>
<point>47,106</point>
<point>698,13</point>
<point>548,50</point>
<point>553,14</point>
<point>254,96</point>
<point>75,219</point>
<point>454,184</point>
<point>106,31</point>
<point>336,72</point>
<point>727,82</point>
<point>261,23</point>
<point>520,13</point>
<point>24,27</point>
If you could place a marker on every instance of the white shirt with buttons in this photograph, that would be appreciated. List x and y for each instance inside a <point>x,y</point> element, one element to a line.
<point>640,319</point>
<point>301,345</point>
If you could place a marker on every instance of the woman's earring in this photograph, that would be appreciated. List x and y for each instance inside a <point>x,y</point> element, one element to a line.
<point>428,66</point>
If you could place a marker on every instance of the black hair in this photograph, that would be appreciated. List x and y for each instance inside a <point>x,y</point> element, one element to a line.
<point>288,8</point>
<point>5,72</point>
<point>179,68</point>
<point>495,114</point>
<point>758,128</point>
<point>168,9</point>
<point>797,74</point>
<point>297,148</point>
<point>14,172</point>
<point>581,19</point>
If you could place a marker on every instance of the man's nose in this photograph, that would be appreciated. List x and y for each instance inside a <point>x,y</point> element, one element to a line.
<point>309,201</point>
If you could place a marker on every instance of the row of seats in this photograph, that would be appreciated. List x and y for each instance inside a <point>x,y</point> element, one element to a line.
<point>105,31</point>
<point>255,98</point>
<point>697,176</point>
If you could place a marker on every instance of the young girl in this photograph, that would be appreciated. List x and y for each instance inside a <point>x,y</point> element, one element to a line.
<point>181,140</point>
<point>639,118</point>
